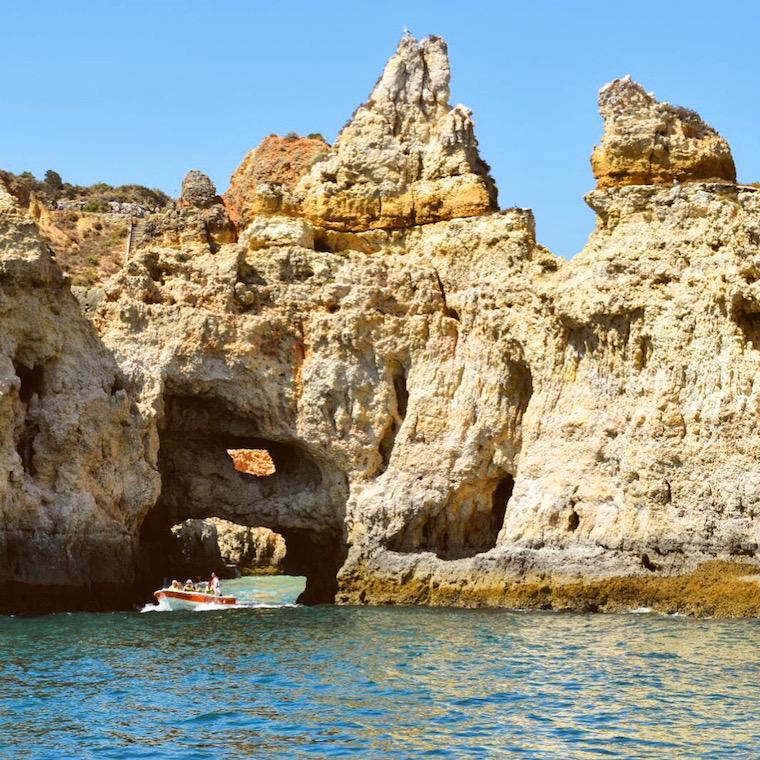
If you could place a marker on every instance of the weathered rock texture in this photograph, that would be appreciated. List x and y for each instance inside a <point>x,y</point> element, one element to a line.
<point>75,483</point>
<point>646,142</point>
<point>254,551</point>
<point>406,157</point>
<point>455,415</point>
<point>266,180</point>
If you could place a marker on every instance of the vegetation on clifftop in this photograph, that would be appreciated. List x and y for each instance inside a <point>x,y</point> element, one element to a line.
<point>52,189</point>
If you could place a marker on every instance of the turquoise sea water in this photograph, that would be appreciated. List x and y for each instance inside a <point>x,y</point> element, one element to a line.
<point>296,682</point>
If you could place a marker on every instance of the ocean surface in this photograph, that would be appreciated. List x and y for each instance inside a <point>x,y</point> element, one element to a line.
<point>277,680</point>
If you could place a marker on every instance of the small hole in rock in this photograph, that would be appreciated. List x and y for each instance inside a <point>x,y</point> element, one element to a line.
<point>256,462</point>
<point>648,564</point>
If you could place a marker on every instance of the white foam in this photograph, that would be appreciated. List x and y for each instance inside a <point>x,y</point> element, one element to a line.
<point>160,607</point>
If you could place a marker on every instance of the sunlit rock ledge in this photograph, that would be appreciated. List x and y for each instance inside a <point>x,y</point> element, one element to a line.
<point>453,415</point>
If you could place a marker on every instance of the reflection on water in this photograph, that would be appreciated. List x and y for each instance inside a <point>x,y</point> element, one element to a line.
<point>393,682</point>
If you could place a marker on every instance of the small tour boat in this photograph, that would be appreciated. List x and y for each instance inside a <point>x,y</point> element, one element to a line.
<point>178,599</point>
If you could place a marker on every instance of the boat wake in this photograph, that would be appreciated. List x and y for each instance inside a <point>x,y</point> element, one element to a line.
<point>160,607</point>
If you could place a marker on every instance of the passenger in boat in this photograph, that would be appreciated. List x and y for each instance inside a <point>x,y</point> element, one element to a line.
<point>189,585</point>
<point>214,585</point>
<point>176,585</point>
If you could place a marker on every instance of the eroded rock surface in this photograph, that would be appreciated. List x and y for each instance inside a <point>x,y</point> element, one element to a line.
<point>266,180</point>
<point>406,157</point>
<point>647,142</point>
<point>454,414</point>
<point>75,480</point>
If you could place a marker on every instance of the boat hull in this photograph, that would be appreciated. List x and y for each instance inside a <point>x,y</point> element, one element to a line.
<point>191,600</point>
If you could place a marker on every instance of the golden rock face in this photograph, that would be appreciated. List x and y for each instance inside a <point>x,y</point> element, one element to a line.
<point>647,142</point>
<point>457,415</point>
<point>406,157</point>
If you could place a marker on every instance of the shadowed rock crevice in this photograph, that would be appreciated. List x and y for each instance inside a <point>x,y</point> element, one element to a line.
<point>27,426</point>
<point>467,525</point>
<point>746,315</point>
<point>399,404</point>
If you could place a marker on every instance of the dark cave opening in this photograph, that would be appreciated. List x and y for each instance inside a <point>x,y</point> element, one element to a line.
<point>459,530</point>
<point>402,392</point>
<point>573,521</point>
<point>32,380</point>
<point>214,464</point>
<point>499,501</point>
<point>747,319</point>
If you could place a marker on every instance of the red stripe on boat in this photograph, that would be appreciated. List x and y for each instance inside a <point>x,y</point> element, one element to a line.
<point>193,596</point>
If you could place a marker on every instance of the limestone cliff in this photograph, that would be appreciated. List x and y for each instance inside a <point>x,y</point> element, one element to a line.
<point>453,414</point>
<point>647,142</point>
<point>75,484</point>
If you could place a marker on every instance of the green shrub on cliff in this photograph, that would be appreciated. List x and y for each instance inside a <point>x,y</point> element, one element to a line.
<point>96,197</point>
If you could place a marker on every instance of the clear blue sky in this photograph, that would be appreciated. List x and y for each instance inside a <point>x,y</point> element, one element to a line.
<point>142,91</point>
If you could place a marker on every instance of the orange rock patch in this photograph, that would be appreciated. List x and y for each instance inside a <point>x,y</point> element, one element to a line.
<point>269,173</point>
<point>252,461</point>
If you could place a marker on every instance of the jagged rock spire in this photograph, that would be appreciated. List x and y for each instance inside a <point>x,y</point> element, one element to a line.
<point>406,157</point>
<point>647,142</point>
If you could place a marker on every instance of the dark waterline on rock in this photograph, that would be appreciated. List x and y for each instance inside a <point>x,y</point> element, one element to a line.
<point>285,681</point>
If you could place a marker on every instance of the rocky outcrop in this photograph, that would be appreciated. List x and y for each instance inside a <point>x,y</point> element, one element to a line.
<point>453,414</point>
<point>266,180</point>
<point>254,551</point>
<point>406,156</point>
<point>75,480</point>
<point>198,191</point>
<point>199,218</point>
<point>646,142</point>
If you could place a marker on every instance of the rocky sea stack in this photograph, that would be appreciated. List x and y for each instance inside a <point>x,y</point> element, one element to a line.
<point>450,413</point>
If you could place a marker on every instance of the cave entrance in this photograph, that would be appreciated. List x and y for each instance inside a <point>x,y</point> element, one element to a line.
<point>216,466</point>
<point>467,525</point>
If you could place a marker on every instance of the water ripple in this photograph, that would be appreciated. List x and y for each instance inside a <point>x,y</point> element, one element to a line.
<point>398,682</point>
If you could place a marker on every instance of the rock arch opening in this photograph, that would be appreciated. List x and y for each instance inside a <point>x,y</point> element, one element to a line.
<point>215,463</point>
<point>257,462</point>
